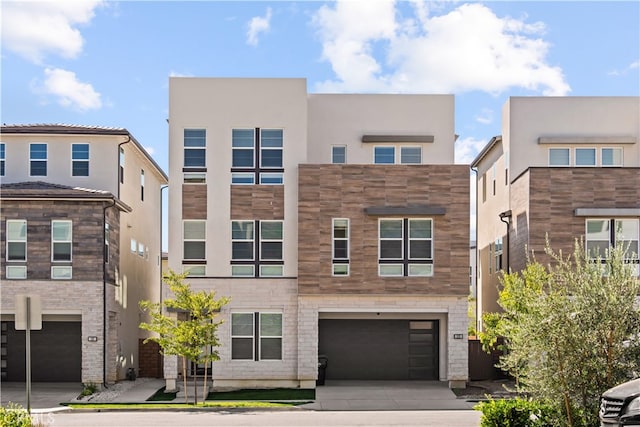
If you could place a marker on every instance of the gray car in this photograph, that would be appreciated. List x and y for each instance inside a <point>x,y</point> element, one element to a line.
<point>620,405</point>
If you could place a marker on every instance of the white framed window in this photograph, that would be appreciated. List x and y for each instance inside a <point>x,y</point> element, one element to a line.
<point>340,246</point>
<point>384,155</point>
<point>243,148</point>
<point>256,336</point>
<point>141,249</point>
<point>16,240</point>
<point>194,178</point>
<point>410,155</point>
<point>271,270</point>
<point>61,240</point>
<point>2,158</point>
<point>142,184</point>
<point>194,239</point>
<point>243,270</point>
<point>585,156</point>
<point>134,246</point>
<point>257,156</point>
<point>498,254</point>
<point>16,271</point>
<point>339,154</point>
<point>271,148</point>
<point>242,238</point>
<point>559,157</point>
<point>241,178</point>
<point>79,159</point>
<point>611,156</point>
<point>257,248</point>
<point>414,234</point>
<point>195,148</point>
<point>271,178</point>
<point>38,159</point>
<point>61,272</point>
<point>195,270</point>
<point>605,233</point>
<point>271,240</point>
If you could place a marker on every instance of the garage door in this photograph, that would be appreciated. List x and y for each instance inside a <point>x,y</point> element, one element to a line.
<point>56,353</point>
<point>379,349</point>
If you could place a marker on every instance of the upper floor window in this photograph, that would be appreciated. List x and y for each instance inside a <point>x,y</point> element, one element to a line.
<point>257,156</point>
<point>559,157</point>
<point>602,234</point>
<point>611,156</point>
<point>80,159</point>
<point>194,239</point>
<point>498,254</point>
<point>38,159</point>
<point>16,240</point>
<point>121,165</point>
<point>405,247</point>
<point>142,184</point>
<point>340,247</point>
<point>585,156</point>
<point>107,245</point>
<point>61,239</point>
<point>195,143</point>
<point>2,159</point>
<point>257,248</point>
<point>256,336</point>
<point>338,154</point>
<point>386,155</point>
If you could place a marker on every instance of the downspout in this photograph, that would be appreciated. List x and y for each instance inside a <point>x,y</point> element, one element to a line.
<point>503,215</point>
<point>118,162</point>
<point>478,314</point>
<point>162,187</point>
<point>104,293</point>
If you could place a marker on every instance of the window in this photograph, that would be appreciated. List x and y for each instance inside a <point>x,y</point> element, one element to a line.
<point>194,239</point>
<point>256,336</point>
<point>195,142</point>
<point>194,270</point>
<point>107,235</point>
<point>411,155</point>
<point>2,159</point>
<point>257,248</point>
<point>16,240</point>
<point>405,247</point>
<point>498,254</point>
<point>257,156</point>
<point>384,155</point>
<point>338,154</point>
<point>63,272</point>
<point>559,157</point>
<point>340,247</point>
<point>121,165</point>
<point>142,184</point>
<point>80,159</point>
<point>611,156</point>
<point>585,156</point>
<point>141,249</point>
<point>16,271</point>
<point>484,187</point>
<point>194,178</point>
<point>602,234</point>
<point>493,177</point>
<point>38,159</point>
<point>61,238</point>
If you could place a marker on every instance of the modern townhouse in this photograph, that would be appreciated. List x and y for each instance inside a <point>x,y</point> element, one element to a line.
<point>564,167</point>
<point>337,224</point>
<point>80,229</point>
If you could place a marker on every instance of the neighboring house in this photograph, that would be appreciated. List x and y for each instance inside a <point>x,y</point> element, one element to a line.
<point>564,167</point>
<point>80,228</point>
<point>337,224</point>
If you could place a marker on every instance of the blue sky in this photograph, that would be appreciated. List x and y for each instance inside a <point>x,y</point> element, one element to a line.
<point>108,63</point>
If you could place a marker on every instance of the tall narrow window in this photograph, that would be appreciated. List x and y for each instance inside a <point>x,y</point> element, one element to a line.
<point>338,154</point>
<point>121,165</point>
<point>61,239</point>
<point>2,159</point>
<point>484,187</point>
<point>384,155</point>
<point>411,155</point>
<point>80,159</point>
<point>271,148</point>
<point>38,159</point>
<point>340,247</point>
<point>270,248</point>
<point>142,184</point>
<point>242,336</point>
<point>498,254</point>
<point>405,247</point>
<point>107,245</point>
<point>270,336</point>
<point>16,240</point>
<point>195,142</point>
<point>194,239</point>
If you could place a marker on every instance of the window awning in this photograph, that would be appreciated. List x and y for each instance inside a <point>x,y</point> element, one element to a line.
<point>607,212</point>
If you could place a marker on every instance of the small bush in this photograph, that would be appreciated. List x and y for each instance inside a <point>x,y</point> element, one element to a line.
<point>516,413</point>
<point>89,389</point>
<point>14,415</point>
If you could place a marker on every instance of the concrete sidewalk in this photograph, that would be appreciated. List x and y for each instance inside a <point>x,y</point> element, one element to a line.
<point>140,392</point>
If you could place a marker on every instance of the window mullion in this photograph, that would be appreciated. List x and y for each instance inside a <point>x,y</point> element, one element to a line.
<point>256,336</point>
<point>405,246</point>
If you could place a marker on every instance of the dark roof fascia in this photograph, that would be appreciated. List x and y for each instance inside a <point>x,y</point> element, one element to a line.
<point>68,197</point>
<point>494,141</point>
<point>82,130</point>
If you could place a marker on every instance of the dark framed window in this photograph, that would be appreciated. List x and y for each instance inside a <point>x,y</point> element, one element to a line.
<point>2,159</point>
<point>80,159</point>
<point>340,234</point>
<point>38,159</point>
<point>257,156</point>
<point>405,247</point>
<point>61,240</point>
<point>195,143</point>
<point>256,336</point>
<point>257,248</point>
<point>605,233</point>
<point>142,184</point>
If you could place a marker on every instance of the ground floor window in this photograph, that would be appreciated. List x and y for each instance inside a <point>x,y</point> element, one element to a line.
<point>256,336</point>
<point>605,233</point>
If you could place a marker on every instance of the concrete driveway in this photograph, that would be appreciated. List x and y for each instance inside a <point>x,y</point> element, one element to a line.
<point>43,395</point>
<point>386,396</point>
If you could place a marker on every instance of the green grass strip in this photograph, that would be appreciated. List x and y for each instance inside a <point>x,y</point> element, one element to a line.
<point>134,406</point>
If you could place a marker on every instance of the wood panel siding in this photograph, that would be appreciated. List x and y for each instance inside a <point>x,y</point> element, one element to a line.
<point>344,191</point>
<point>261,202</point>
<point>194,201</point>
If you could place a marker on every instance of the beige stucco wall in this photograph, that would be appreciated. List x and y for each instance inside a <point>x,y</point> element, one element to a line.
<point>343,119</point>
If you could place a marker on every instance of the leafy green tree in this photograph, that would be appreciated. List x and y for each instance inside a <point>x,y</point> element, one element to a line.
<point>191,336</point>
<point>571,329</point>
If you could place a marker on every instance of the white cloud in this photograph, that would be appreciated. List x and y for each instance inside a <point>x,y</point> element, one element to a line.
<point>69,91</point>
<point>34,29</point>
<point>485,116</point>
<point>257,25</point>
<point>628,68</point>
<point>371,47</point>
<point>467,149</point>
<point>177,74</point>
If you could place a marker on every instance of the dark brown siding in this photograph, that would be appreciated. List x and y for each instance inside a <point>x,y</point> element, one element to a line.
<point>194,201</point>
<point>262,202</point>
<point>88,236</point>
<point>343,191</point>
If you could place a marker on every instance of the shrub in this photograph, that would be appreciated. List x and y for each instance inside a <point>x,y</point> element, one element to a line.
<point>14,415</point>
<point>516,413</point>
<point>89,389</point>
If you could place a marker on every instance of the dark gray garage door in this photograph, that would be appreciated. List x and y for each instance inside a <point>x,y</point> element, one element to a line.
<point>380,349</point>
<point>56,352</point>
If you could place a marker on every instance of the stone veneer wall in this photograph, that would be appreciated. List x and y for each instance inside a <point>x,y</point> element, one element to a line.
<point>344,191</point>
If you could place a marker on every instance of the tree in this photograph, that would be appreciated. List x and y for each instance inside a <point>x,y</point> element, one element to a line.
<point>571,329</point>
<point>191,337</point>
